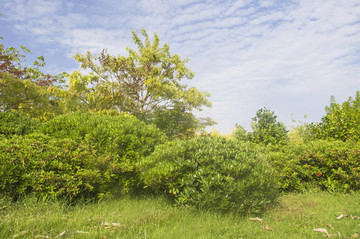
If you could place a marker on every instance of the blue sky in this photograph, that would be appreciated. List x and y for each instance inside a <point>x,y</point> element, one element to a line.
<point>288,56</point>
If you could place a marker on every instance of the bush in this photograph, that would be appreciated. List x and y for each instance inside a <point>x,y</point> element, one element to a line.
<point>54,167</point>
<point>124,136</point>
<point>210,173</point>
<point>13,123</point>
<point>332,166</point>
<point>77,155</point>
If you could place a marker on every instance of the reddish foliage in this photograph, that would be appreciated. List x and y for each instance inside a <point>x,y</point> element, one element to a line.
<point>7,65</point>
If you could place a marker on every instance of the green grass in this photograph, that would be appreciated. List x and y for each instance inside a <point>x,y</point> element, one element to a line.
<point>295,216</point>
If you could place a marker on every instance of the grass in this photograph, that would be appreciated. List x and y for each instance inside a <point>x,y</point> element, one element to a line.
<point>295,216</point>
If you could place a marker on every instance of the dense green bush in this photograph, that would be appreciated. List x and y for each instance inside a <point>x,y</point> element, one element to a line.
<point>211,173</point>
<point>77,155</point>
<point>124,136</point>
<point>330,165</point>
<point>48,166</point>
<point>13,123</point>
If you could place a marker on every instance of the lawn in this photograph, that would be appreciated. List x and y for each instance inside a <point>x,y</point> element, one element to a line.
<point>295,216</point>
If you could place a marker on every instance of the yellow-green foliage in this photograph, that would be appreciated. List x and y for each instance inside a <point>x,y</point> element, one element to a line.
<point>13,123</point>
<point>295,137</point>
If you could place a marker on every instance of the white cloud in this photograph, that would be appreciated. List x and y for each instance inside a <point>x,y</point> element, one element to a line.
<point>22,10</point>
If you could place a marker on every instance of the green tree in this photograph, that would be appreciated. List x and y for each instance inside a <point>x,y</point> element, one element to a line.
<point>240,133</point>
<point>177,123</point>
<point>266,128</point>
<point>86,93</point>
<point>25,89</point>
<point>341,122</point>
<point>146,83</point>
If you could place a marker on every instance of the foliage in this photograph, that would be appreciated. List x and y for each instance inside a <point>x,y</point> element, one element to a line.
<point>78,155</point>
<point>13,123</point>
<point>146,84</point>
<point>296,135</point>
<point>177,123</point>
<point>341,122</point>
<point>266,129</point>
<point>210,173</point>
<point>299,131</point>
<point>25,89</point>
<point>86,93</point>
<point>123,135</point>
<point>240,133</point>
<point>332,166</point>
<point>52,167</point>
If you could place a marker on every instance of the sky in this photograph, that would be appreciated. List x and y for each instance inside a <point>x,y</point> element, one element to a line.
<point>289,56</point>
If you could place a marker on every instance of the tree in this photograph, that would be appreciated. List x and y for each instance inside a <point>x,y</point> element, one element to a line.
<point>25,89</point>
<point>146,83</point>
<point>341,122</point>
<point>177,123</point>
<point>86,93</point>
<point>240,133</point>
<point>266,129</point>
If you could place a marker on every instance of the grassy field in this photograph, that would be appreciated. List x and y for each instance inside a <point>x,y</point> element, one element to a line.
<point>295,216</point>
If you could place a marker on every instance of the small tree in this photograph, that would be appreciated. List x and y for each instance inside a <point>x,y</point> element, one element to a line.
<point>266,129</point>
<point>25,89</point>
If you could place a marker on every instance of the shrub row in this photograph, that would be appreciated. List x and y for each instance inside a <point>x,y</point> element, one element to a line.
<point>83,155</point>
<point>330,165</point>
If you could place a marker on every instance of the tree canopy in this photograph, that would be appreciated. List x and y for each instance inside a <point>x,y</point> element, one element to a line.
<point>147,83</point>
<point>24,89</point>
<point>265,129</point>
<point>341,121</point>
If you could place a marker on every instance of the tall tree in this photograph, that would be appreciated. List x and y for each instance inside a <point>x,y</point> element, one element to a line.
<point>146,83</point>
